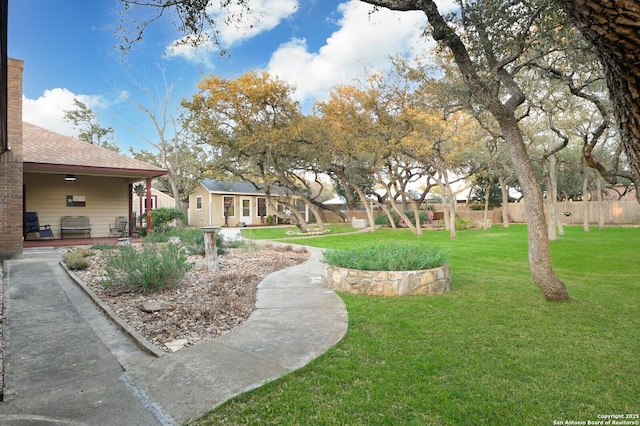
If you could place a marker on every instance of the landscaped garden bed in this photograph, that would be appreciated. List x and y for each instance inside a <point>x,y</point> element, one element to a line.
<point>388,269</point>
<point>199,305</point>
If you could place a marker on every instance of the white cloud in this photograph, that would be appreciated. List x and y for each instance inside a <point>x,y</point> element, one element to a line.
<point>247,22</point>
<point>48,110</point>
<point>364,39</point>
<point>235,24</point>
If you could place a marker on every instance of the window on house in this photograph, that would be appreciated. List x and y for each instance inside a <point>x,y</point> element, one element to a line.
<point>228,205</point>
<point>198,203</point>
<point>262,207</point>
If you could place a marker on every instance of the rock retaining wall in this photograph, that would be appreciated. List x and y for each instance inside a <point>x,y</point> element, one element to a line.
<point>388,283</point>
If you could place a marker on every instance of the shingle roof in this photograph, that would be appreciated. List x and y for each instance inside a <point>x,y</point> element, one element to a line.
<point>44,147</point>
<point>234,187</point>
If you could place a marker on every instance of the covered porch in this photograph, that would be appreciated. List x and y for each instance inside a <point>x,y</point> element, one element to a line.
<point>65,177</point>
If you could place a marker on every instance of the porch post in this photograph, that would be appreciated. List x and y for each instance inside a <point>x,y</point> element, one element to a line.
<point>148,206</point>
<point>130,209</point>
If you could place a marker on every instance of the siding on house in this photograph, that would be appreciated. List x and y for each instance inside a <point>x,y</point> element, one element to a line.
<point>213,194</point>
<point>105,197</point>
<point>160,199</point>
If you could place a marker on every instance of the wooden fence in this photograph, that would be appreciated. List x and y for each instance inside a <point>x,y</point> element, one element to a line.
<point>571,212</point>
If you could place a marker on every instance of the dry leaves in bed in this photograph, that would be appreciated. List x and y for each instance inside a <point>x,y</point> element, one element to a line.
<point>204,305</point>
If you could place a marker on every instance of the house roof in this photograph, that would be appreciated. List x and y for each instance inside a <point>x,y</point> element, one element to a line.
<point>234,187</point>
<point>47,151</point>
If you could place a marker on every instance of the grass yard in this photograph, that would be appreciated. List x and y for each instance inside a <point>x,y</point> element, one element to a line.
<point>490,352</point>
<point>281,232</point>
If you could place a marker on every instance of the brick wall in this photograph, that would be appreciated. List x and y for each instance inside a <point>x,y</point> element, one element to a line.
<point>11,169</point>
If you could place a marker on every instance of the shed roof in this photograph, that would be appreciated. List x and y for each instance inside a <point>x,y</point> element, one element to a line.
<point>47,151</point>
<point>235,187</point>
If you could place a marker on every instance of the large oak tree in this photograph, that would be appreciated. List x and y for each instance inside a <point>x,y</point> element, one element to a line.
<point>488,56</point>
<point>613,26</point>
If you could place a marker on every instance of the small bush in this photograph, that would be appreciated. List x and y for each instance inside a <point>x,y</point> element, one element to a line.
<point>76,260</point>
<point>161,217</point>
<point>383,219</point>
<point>153,267</point>
<point>463,223</point>
<point>388,256</point>
<point>192,239</point>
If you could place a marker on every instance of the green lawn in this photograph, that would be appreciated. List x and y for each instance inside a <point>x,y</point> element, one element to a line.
<point>490,352</point>
<point>287,232</point>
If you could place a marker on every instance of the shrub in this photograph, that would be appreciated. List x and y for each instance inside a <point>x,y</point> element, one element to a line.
<point>161,217</point>
<point>154,267</point>
<point>76,260</point>
<point>388,256</point>
<point>382,219</point>
<point>463,223</point>
<point>192,239</point>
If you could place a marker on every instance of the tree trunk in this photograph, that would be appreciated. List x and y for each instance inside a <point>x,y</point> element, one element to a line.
<point>585,204</point>
<point>416,212</point>
<point>316,213</point>
<point>397,208</point>
<point>554,194</point>
<point>539,255</point>
<point>175,191</point>
<point>505,201</point>
<point>600,202</point>
<point>448,205</point>
<point>367,207</point>
<point>613,26</point>
<point>485,215</point>
<point>551,209</point>
<point>386,211</point>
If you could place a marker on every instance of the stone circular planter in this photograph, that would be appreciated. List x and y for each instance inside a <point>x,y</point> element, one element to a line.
<point>388,283</point>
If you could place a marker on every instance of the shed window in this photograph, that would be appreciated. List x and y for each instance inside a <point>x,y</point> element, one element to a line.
<point>262,207</point>
<point>229,209</point>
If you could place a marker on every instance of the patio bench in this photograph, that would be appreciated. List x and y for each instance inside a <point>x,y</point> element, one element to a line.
<point>75,224</point>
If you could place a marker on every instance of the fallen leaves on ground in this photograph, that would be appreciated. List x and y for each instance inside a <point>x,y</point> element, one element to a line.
<point>204,305</point>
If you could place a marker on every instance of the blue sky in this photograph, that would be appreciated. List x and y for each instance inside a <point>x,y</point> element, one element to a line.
<point>69,50</point>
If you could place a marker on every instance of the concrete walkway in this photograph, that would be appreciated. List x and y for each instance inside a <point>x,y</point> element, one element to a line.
<point>66,363</point>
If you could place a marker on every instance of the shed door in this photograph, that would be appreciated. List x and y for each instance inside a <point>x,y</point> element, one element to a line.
<point>245,210</point>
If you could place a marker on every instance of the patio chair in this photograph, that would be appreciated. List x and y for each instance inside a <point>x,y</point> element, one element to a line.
<point>120,228</point>
<point>32,226</point>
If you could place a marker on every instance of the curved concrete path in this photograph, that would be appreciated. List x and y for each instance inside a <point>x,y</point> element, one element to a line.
<point>67,363</point>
